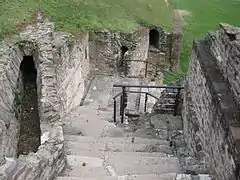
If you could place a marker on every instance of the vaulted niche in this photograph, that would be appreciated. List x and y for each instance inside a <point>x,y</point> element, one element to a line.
<point>30,133</point>
<point>124,49</point>
<point>154,38</point>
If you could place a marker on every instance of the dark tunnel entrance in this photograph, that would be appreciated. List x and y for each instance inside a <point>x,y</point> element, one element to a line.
<point>154,38</point>
<point>30,133</point>
<point>124,49</point>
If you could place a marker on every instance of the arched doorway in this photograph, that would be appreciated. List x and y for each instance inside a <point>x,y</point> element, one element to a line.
<point>30,133</point>
<point>124,49</point>
<point>121,56</point>
<point>154,38</point>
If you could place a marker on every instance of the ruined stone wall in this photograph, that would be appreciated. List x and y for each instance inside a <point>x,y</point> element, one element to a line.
<point>72,69</point>
<point>176,40</point>
<point>139,52</point>
<point>35,41</point>
<point>225,45</point>
<point>211,116</point>
<point>105,51</point>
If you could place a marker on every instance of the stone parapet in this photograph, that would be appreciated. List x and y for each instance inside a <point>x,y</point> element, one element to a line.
<point>210,113</point>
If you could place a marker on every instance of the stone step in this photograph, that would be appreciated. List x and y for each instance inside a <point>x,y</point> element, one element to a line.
<point>193,177</point>
<point>163,101</point>
<point>122,140</point>
<point>88,178</point>
<point>83,166</point>
<point>100,90</point>
<point>102,154</point>
<point>166,176</point>
<point>118,147</point>
<point>77,143</point>
<point>165,105</point>
<point>88,121</point>
<point>169,95</point>
<point>164,110</point>
<point>144,165</point>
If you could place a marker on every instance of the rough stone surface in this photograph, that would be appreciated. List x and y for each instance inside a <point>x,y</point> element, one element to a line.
<point>72,69</point>
<point>35,40</point>
<point>225,46</point>
<point>211,115</point>
<point>106,55</point>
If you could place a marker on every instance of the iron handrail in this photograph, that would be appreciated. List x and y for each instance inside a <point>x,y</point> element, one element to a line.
<point>121,108</point>
<point>152,95</point>
<point>142,92</point>
<point>119,94</point>
<point>155,65</point>
<point>124,91</point>
<point>149,86</point>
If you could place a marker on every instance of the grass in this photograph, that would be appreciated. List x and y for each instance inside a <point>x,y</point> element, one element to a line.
<point>205,16</point>
<point>81,15</point>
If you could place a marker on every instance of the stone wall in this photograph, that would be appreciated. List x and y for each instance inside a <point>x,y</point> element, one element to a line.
<point>139,52</point>
<point>106,54</point>
<point>176,41</point>
<point>225,45</point>
<point>72,69</point>
<point>36,41</point>
<point>211,115</point>
<point>103,50</point>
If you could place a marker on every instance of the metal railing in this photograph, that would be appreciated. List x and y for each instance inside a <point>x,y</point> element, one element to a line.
<point>168,75</point>
<point>124,92</point>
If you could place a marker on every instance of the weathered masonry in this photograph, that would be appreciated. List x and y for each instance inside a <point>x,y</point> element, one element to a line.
<point>211,102</point>
<point>44,75</point>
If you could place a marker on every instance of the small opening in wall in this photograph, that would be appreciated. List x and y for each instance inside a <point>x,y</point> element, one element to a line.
<point>232,37</point>
<point>154,38</point>
<point>124,49</point>
<point>30,133</point>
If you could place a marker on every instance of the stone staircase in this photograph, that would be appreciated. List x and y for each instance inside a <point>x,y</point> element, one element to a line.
<point>98,149</point>
<point>166,102</point>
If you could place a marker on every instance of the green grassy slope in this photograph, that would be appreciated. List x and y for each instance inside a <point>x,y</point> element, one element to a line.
<point>205,16</point>
<point>81,15</point>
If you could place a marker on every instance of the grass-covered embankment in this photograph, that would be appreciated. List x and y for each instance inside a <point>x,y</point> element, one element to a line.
<point>204,16</point>
<point>81,15</point>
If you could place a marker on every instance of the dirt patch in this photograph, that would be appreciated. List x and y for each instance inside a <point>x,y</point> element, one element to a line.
<point>166,1</point>
<point>180,14</point>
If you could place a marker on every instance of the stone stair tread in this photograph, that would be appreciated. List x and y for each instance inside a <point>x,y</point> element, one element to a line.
<point>165,176</point>
<point>169,95</point>
<point>164,109</point>
<point>116,159</point>
<point>145,165</point>
<point>83,166</point>
<point>117,147</point>
<point>116,144</point>
<point>123,140</point>
<point>90,123</point>
<point>85,172</point>
<point>101,154</point>
<point>166,103</point>
<point>88,178</point>
<point>74,160</point>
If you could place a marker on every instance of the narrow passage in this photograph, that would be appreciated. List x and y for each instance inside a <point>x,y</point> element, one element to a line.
<point>30,133</point>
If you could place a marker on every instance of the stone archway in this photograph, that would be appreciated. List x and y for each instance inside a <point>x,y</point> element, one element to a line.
<point>154,38</point>
<point>30,133</point>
